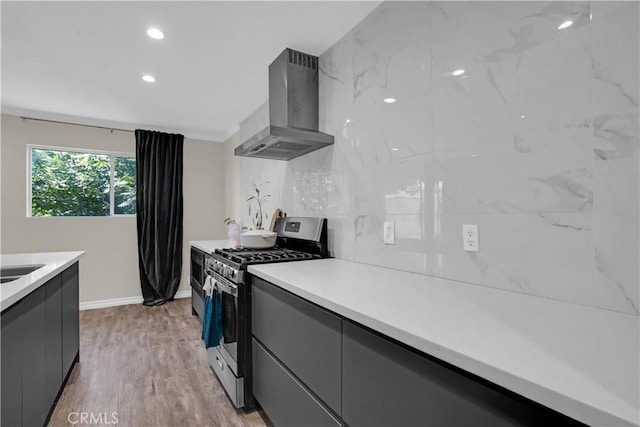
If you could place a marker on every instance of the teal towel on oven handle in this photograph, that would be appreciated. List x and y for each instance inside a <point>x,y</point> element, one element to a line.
<point>212,322</point>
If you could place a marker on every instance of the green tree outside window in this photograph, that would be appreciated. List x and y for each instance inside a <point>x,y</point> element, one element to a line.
<point>68,183</point>
<point>125,186</point>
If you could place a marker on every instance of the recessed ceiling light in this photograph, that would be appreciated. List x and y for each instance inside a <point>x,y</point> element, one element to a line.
<point>394,149</point>
<point>522,116</point>
<point>565,25</point>
<point>390,100</point>
<point>458,72</point>
<point>155,33</point>
<point>148,78</point>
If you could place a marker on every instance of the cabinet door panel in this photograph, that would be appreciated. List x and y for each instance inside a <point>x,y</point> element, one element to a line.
<point>34,403</point>
<point>285,401</point>
<point>70,317</point>
<point>306,338</point>
<point>12,366</point>
<point>53,307</point>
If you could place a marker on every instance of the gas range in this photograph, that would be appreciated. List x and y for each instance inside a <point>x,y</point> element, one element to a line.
<point>298,239</point>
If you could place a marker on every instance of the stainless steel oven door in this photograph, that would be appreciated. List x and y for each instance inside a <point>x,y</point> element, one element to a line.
<point>230,321</point>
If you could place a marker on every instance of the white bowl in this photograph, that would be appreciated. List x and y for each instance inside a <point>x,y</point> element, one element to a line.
<point>258,239</point>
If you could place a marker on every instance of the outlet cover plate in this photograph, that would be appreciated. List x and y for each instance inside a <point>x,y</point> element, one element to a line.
<point>470,238</point>
<point>389,233</point>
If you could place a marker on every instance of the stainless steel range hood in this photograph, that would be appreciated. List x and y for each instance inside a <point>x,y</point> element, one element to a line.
<point>293,111</point>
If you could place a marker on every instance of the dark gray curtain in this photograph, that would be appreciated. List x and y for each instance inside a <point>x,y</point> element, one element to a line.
<point>159,214</point>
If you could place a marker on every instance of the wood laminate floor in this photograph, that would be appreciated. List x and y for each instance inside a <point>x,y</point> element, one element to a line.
<point>149,366</point>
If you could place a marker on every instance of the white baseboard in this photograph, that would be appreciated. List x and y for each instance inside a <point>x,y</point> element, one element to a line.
<point>113,302</point>
<point>183,294</point>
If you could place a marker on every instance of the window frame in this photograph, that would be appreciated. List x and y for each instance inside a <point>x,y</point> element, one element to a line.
<point>111,154</point>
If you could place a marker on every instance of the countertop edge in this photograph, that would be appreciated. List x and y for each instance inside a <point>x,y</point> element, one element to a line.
<point>67,259</point>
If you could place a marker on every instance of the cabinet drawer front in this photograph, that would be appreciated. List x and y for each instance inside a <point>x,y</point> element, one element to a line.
<point>285,401</point>
<point>306,338</point>
<point>385,384</point>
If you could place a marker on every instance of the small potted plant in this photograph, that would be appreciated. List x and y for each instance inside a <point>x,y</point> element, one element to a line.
<point>258,199</point>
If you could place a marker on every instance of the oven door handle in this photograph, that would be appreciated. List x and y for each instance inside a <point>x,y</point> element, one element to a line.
<point>228,288</point>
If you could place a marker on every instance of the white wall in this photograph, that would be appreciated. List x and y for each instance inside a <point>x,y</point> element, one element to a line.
<point>110,267</point>
<point>537,143</point>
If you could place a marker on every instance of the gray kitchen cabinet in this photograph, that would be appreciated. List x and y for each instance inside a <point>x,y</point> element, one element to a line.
<point>53,337</point>
<point>36,332</point>
<point>300,351</point>
<point>386,384</point>
<point>70,317</point>
<point>34,398</point>
<point>11,376</point>
<point>304,337</point>
<point>286,401</point>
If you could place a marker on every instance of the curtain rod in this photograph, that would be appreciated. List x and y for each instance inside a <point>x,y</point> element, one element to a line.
<point>76,124</point>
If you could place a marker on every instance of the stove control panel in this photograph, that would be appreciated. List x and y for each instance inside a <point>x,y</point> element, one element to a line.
<point>222,269</point>
<point>230,273</point>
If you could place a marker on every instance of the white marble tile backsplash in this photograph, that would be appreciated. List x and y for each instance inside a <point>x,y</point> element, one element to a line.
<point>537,143</point>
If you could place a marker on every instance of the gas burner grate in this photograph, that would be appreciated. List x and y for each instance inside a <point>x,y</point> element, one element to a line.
<point>261,256</point>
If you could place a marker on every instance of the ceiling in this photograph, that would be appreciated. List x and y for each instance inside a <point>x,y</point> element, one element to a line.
<point>83,62</point>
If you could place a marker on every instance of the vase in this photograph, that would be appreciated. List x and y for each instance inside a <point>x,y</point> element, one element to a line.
<point>233,232</point>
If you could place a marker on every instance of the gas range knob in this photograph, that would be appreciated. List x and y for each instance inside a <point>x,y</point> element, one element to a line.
<point>231,273</point>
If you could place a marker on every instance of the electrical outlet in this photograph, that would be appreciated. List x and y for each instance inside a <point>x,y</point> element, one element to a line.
<point>389,233</point>
<point>470,239</point>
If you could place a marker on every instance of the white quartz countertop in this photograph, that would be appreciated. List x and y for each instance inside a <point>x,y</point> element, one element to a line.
<point>54,264</point>
<point>577,360</point>
<point>209,246</point>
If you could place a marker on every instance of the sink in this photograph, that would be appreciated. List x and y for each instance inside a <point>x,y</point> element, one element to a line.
<point>19,270</point>
<point>9,274</point>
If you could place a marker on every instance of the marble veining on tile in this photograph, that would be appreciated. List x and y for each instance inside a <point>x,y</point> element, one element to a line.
<point>537,142</point>
<point>472,35</point>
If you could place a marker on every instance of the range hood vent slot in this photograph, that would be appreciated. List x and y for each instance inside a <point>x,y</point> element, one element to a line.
<point>293,111</point>
<point>303,59</point>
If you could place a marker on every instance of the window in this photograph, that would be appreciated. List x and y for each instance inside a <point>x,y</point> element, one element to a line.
<point>124,185</point>
<point>81,183</point>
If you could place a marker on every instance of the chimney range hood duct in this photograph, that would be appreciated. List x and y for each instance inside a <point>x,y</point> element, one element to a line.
<point>293,111</point>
